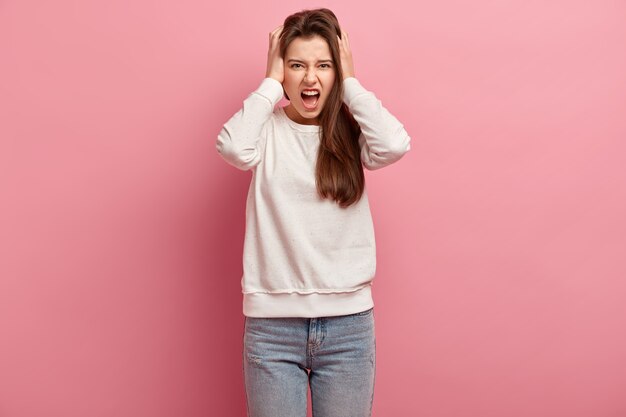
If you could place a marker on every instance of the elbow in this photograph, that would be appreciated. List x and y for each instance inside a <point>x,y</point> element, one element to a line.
<point>400,146</point>
<point>402,143</point>
<point>376,161</point>
<point>396,148</point>
<point>241,158</point>
<point>379,158</point>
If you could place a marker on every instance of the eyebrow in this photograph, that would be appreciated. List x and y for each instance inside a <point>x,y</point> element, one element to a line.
<point>299,60</point>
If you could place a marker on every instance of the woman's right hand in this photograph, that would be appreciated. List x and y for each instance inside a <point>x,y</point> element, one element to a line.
<point>275,65</point>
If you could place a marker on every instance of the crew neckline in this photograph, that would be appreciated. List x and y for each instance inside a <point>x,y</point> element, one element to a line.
<point>298,126</point>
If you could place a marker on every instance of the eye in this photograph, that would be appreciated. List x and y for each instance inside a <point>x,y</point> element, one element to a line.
<point>327,65</point>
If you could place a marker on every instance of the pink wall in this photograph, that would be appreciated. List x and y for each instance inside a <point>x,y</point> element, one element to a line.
<point>501,235</point>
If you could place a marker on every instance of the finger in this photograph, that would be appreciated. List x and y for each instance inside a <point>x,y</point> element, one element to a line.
<point>342,40</point>
<point>278,29</point>
<point>275,34</point>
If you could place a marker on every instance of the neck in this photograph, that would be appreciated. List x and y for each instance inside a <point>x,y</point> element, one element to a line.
<point>296,117</point>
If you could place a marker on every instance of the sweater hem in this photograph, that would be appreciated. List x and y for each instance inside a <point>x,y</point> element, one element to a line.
<point>295,304</point>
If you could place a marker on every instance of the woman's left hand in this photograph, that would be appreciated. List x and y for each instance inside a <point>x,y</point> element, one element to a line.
<point>347,66</point>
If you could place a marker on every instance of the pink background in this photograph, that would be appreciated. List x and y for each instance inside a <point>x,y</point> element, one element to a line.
<point>500,288</point>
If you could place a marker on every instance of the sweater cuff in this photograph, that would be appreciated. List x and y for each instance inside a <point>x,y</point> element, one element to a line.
<point>271,89</point>
<point>351,88</point>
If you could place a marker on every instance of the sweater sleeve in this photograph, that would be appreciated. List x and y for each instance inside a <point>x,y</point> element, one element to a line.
<point>383,139</point>
<point>238,141</point>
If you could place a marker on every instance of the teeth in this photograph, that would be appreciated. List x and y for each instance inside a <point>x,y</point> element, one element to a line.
<point>310,93</point>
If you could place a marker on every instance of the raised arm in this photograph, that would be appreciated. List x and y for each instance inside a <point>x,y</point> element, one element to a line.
<point>383,138</point>
<point>239,140</point>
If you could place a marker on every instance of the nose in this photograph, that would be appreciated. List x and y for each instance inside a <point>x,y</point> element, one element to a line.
<point>309,77</point>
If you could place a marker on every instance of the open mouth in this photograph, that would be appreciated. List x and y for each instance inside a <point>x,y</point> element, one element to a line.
<point>310,99</point>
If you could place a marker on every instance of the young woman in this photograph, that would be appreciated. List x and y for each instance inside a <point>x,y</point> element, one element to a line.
<point>309,249</point>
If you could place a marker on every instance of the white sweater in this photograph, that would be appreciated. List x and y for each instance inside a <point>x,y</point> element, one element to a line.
<point>305,256</point>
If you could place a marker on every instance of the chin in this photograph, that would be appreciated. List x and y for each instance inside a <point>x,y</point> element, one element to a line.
<point>309,114</point>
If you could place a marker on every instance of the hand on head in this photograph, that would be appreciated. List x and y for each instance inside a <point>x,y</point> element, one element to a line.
<point>347,65</point>
<point>275,68</point>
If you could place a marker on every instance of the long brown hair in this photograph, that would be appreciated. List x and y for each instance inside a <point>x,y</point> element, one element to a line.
<point>339,172</point>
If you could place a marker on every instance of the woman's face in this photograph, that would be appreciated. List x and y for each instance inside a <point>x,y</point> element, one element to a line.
<point>308,65</point>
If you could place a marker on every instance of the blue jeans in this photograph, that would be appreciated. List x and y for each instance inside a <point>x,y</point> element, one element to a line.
<point>335,355</point>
